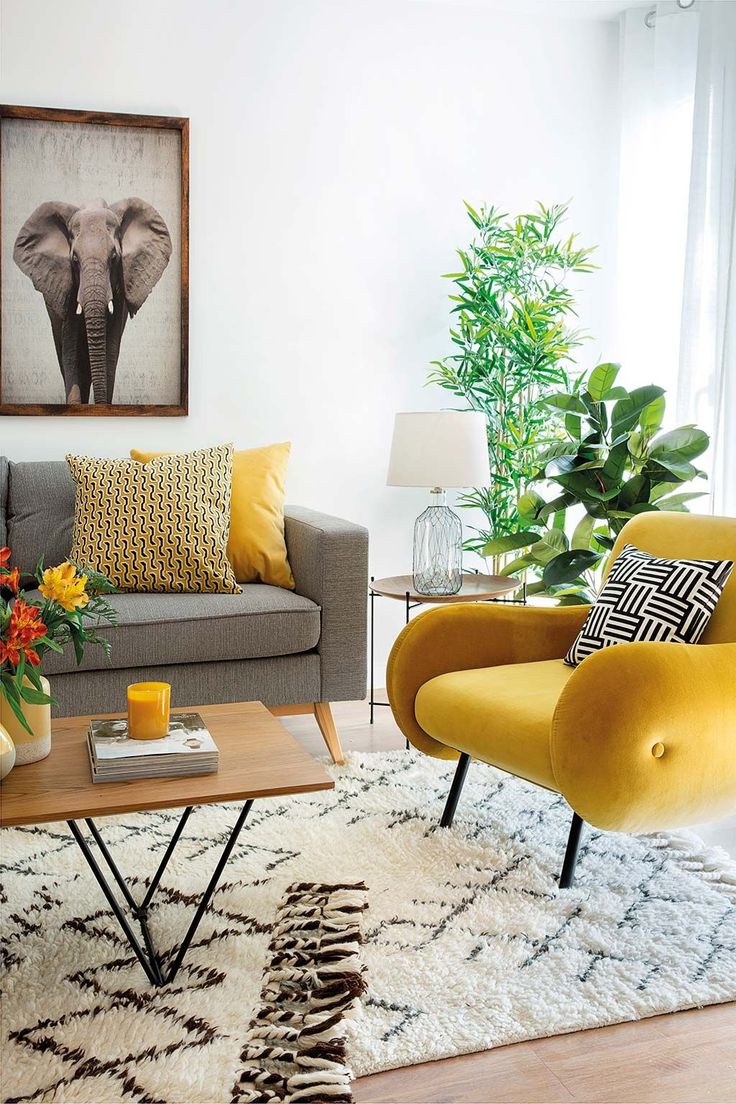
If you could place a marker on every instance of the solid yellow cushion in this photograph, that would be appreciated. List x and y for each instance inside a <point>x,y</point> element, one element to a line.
<point>502,715</point>
<point>256,546</point>
<point>156,527</point>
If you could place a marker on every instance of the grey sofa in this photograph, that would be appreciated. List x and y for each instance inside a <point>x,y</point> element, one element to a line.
<point>296,651</point>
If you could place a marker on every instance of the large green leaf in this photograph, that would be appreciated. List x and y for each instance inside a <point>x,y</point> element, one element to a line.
<point>561,502</point>
<point>677,502</point>
<point>554,539</point>
<point>583,532</point>
<point>529,505</point>
<point>563,401</point>
<point>670,471</point>
<point>569,566</point>
<point>499,546</point>
<point>601,379</point>
<point>561,465</point>
<point>615,465</point>
<point>651,416</point>
<point>552,543</point>
<point>637,508</point>
<point>626,412</point>
<point>682,444</point>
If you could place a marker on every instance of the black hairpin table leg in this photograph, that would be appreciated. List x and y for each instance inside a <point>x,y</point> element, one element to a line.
<point>150,959</point>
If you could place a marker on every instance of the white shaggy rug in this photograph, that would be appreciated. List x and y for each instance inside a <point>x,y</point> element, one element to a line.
<point>468,942</point>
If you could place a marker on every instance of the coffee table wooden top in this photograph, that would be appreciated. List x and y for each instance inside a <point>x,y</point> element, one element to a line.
<point>475,588</point>
<point>258,758</point>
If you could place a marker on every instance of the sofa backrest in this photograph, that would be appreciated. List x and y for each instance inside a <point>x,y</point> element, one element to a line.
<point>39,512</point>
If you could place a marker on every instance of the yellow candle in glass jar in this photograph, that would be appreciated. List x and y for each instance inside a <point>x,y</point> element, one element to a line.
<point>148,710</point>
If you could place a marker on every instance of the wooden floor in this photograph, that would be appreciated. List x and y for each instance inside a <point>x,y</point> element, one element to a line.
<point>684,1057</point>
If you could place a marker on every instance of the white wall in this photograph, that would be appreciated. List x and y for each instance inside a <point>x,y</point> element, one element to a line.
<point>331,145</point>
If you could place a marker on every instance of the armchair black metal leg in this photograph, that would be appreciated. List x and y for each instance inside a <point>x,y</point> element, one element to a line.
<point>457,784</point>
<point>567,877</point>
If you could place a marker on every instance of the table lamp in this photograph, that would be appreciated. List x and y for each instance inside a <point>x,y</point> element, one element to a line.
<point>439,449</point>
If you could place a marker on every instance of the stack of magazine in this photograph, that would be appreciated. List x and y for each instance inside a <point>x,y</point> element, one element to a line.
<point>114,757</point>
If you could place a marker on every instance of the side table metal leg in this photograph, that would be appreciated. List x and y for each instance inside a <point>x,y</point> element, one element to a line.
<point>373,603</point>
<point>408,609</point>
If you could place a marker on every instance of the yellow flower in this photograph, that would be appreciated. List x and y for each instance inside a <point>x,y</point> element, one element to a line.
<point>63,585</point>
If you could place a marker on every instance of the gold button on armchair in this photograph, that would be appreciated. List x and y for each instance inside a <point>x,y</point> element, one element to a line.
<point>639,737</point>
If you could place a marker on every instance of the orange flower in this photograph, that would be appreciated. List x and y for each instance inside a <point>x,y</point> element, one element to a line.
<point>4,556</point>
<point>11,580</point>
<point>24,629</point>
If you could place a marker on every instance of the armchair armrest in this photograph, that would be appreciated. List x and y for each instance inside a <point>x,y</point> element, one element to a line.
<point>463,637</point>
<point>329,561</point>
<point>644,736</point>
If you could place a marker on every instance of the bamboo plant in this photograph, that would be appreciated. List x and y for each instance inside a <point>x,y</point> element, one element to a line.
<point>513,345</point>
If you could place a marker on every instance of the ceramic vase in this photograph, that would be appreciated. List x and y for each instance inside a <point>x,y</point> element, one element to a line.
<point>7,753</point>
<point>29,748</point>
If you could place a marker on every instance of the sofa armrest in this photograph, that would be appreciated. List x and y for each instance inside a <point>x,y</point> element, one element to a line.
<point>644,736</point>
<point>329,561</point>
<point>464,637</point>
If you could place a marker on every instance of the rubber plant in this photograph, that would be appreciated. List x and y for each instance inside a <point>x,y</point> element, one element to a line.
<point>513,345</point>
<point>614,463</point>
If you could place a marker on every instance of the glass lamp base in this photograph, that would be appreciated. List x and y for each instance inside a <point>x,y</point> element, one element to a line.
<point>438,536</point>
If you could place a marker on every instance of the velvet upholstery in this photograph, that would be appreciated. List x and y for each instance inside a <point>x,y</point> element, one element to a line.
<point>639,737</point>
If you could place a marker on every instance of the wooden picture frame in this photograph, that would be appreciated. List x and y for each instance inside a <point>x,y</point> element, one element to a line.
<point>15,289</point>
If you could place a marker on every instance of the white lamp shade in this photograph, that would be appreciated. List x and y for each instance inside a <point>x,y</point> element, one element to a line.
<point>444,448</point>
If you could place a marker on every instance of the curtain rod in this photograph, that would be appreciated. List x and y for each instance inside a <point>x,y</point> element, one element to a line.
<point>683,5</point>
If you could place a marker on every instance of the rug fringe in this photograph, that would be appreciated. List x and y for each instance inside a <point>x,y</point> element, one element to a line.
<point>296,1046</point>
<point>692,853</point>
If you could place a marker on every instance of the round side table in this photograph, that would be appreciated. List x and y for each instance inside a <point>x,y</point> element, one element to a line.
<point>474,588</point>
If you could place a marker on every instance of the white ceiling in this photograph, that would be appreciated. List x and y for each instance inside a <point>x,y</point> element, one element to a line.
<point>602,10</point>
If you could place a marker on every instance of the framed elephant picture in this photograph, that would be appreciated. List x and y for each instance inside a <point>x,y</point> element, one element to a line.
<point>94,263</point>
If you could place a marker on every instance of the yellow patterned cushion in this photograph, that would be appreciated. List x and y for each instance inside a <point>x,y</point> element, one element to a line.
<point>161,526</point>
<point>256,547</point>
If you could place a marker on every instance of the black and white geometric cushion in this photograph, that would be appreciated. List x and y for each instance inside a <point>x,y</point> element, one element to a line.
<point>646,598</point>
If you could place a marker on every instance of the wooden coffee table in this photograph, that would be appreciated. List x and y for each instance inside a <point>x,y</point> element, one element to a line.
<point>258,758</point>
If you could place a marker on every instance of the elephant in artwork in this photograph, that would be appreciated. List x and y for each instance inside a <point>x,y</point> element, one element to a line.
<point>94,265</point>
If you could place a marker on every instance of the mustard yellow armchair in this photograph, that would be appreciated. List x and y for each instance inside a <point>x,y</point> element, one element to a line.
<point>639,737</point>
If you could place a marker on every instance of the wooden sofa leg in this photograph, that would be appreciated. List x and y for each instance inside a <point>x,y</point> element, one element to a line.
<point>455,789</point>
<point>326,723</point>
<point>567,877</point>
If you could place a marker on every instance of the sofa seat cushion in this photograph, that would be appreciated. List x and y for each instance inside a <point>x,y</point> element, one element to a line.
<point>502,715</point>
<point>157,629</point>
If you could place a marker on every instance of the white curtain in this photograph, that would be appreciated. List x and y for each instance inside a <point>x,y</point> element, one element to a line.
<point>658,52</point>
<point>707,376</point>
<point>677,221</point>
